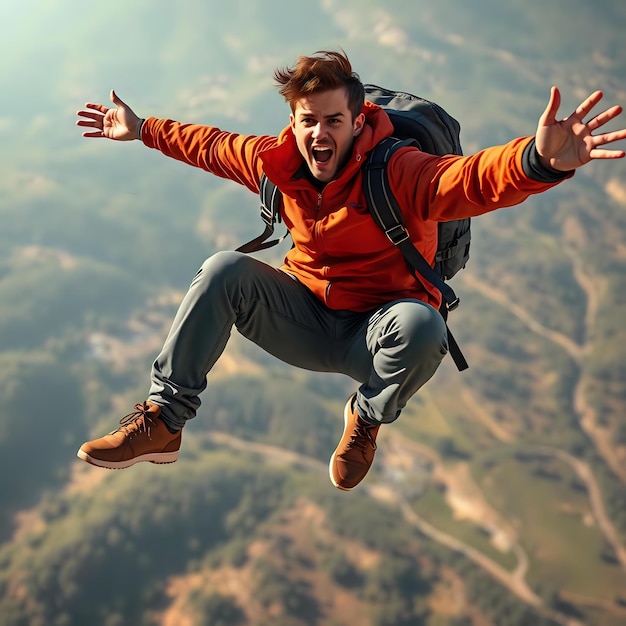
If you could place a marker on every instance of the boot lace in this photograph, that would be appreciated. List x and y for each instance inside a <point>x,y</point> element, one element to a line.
<point>137,421</point>
<point>361,437</point>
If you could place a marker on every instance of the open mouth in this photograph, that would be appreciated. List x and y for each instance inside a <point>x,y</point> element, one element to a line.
<point>322,155</point>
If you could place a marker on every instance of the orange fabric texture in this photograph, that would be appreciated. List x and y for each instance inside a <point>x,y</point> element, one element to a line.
<point>340,254</point>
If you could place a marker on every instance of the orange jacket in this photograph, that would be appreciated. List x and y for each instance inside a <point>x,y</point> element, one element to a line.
<point>340,254</point>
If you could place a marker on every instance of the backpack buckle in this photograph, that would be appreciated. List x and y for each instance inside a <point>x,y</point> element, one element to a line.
<point>397,234</point>
<point>452,305</point>
<point>267,215</point>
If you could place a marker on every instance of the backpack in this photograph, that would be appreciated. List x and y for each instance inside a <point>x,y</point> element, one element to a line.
<point>426,125</point>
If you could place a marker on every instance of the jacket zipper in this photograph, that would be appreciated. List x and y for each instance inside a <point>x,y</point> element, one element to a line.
<point>318,206</point>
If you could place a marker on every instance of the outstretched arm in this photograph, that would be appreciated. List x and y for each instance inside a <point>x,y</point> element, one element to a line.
<point>569,143</point>
<point>120,123</point>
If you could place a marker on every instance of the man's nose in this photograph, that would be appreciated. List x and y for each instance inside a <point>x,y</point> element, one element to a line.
<point>319,130</point>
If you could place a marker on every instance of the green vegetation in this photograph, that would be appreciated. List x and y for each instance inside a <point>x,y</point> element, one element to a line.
<point>559,532</point>
<point>433,508</point>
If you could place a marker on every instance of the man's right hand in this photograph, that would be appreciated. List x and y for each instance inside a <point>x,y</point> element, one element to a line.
<point>119,124</point>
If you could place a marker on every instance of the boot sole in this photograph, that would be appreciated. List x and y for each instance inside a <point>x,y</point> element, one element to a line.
<point>158,458</point>
<point>334,454</point>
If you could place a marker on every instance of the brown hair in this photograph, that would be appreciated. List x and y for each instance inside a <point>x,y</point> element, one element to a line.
<point>323,71</point>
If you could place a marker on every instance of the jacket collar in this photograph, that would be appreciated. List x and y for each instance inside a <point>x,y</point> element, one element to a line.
<point>283,164</point>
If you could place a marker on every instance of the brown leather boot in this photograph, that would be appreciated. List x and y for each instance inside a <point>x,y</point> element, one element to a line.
<point>142,436</point>
<point>354,455</point>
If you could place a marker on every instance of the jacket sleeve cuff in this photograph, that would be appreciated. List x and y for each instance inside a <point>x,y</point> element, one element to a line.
<point>534,169</point>
<point>140,128</point>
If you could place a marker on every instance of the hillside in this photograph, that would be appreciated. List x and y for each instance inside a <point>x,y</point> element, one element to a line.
<point>499,497</point>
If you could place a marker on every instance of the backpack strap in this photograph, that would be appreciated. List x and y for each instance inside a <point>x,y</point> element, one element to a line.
<point>385,210</point>
<point>388,215</point>
<point>270,198</point>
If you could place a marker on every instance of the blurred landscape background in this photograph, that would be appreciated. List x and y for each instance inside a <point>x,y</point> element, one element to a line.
<point>499,497</point>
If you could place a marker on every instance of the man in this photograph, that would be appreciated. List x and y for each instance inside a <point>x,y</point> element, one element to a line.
<point>343,301</point>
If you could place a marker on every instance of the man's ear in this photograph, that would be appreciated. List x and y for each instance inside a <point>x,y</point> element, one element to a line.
<point>292,122</point>
<point>357,127</point>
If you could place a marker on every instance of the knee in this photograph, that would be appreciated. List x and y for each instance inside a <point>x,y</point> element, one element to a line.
<point>420,329</point>
<point>220,269</point>
<point>224,262</point>
<point>429,332</point>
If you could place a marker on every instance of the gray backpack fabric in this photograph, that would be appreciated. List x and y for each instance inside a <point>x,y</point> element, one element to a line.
<point>428,126</point>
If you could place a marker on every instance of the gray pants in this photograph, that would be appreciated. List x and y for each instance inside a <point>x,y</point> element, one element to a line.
<point>392,350</point>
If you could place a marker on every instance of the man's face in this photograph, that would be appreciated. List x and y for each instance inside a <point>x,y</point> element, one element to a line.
<point>325,131</point>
